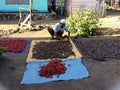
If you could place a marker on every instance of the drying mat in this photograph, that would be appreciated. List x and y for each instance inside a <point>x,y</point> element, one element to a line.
<point>76,70</point>
<point>28,41</point>
<point>74,49</point>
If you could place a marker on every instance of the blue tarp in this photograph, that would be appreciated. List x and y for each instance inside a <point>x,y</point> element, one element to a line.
<point>22,52</point>
<point>76,70</point>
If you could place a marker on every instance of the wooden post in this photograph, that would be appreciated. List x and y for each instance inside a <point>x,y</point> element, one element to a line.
<point>71,11</point>
<point>31,8</point>
<point>111,3</point>
<point>28,20</point>
<point>104,8</point>
<point>61,7</point>
<point>20,14</point>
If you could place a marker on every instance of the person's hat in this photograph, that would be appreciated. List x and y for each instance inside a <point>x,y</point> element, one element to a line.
<point>63,21</point>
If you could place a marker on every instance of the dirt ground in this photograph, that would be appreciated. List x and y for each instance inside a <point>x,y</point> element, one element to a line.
<point>103,75</point>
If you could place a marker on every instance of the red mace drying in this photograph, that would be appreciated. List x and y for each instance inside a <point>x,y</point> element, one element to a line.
<point>54,67</point>
<point>13,45</point>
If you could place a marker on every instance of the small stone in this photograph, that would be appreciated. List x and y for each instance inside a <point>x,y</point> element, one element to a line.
<point>16,30</point>
<point>53,13</point>
<point>1,33</point>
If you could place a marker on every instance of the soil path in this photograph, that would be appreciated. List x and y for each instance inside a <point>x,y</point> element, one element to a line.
<point>103,75</point>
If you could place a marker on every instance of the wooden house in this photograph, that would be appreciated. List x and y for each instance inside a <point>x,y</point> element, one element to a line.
<point>74,5</point>
<point>113,3</point>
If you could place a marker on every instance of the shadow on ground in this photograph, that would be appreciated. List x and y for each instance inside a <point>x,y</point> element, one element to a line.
<point>107,31</point>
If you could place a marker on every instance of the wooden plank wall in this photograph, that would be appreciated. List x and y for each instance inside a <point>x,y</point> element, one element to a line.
<point>72,6</point>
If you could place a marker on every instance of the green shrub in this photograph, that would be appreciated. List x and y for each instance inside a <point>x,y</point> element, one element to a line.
<point>83,23</point>
<point>2,50</point>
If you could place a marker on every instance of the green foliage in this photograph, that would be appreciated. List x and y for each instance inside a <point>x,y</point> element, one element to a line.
<point>2,50</point>
<point>83,23</point>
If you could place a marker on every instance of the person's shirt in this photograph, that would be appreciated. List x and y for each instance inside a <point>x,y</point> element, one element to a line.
<point>57,28</point>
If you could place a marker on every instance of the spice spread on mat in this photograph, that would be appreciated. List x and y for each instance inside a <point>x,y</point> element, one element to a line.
<point>54,67</point>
